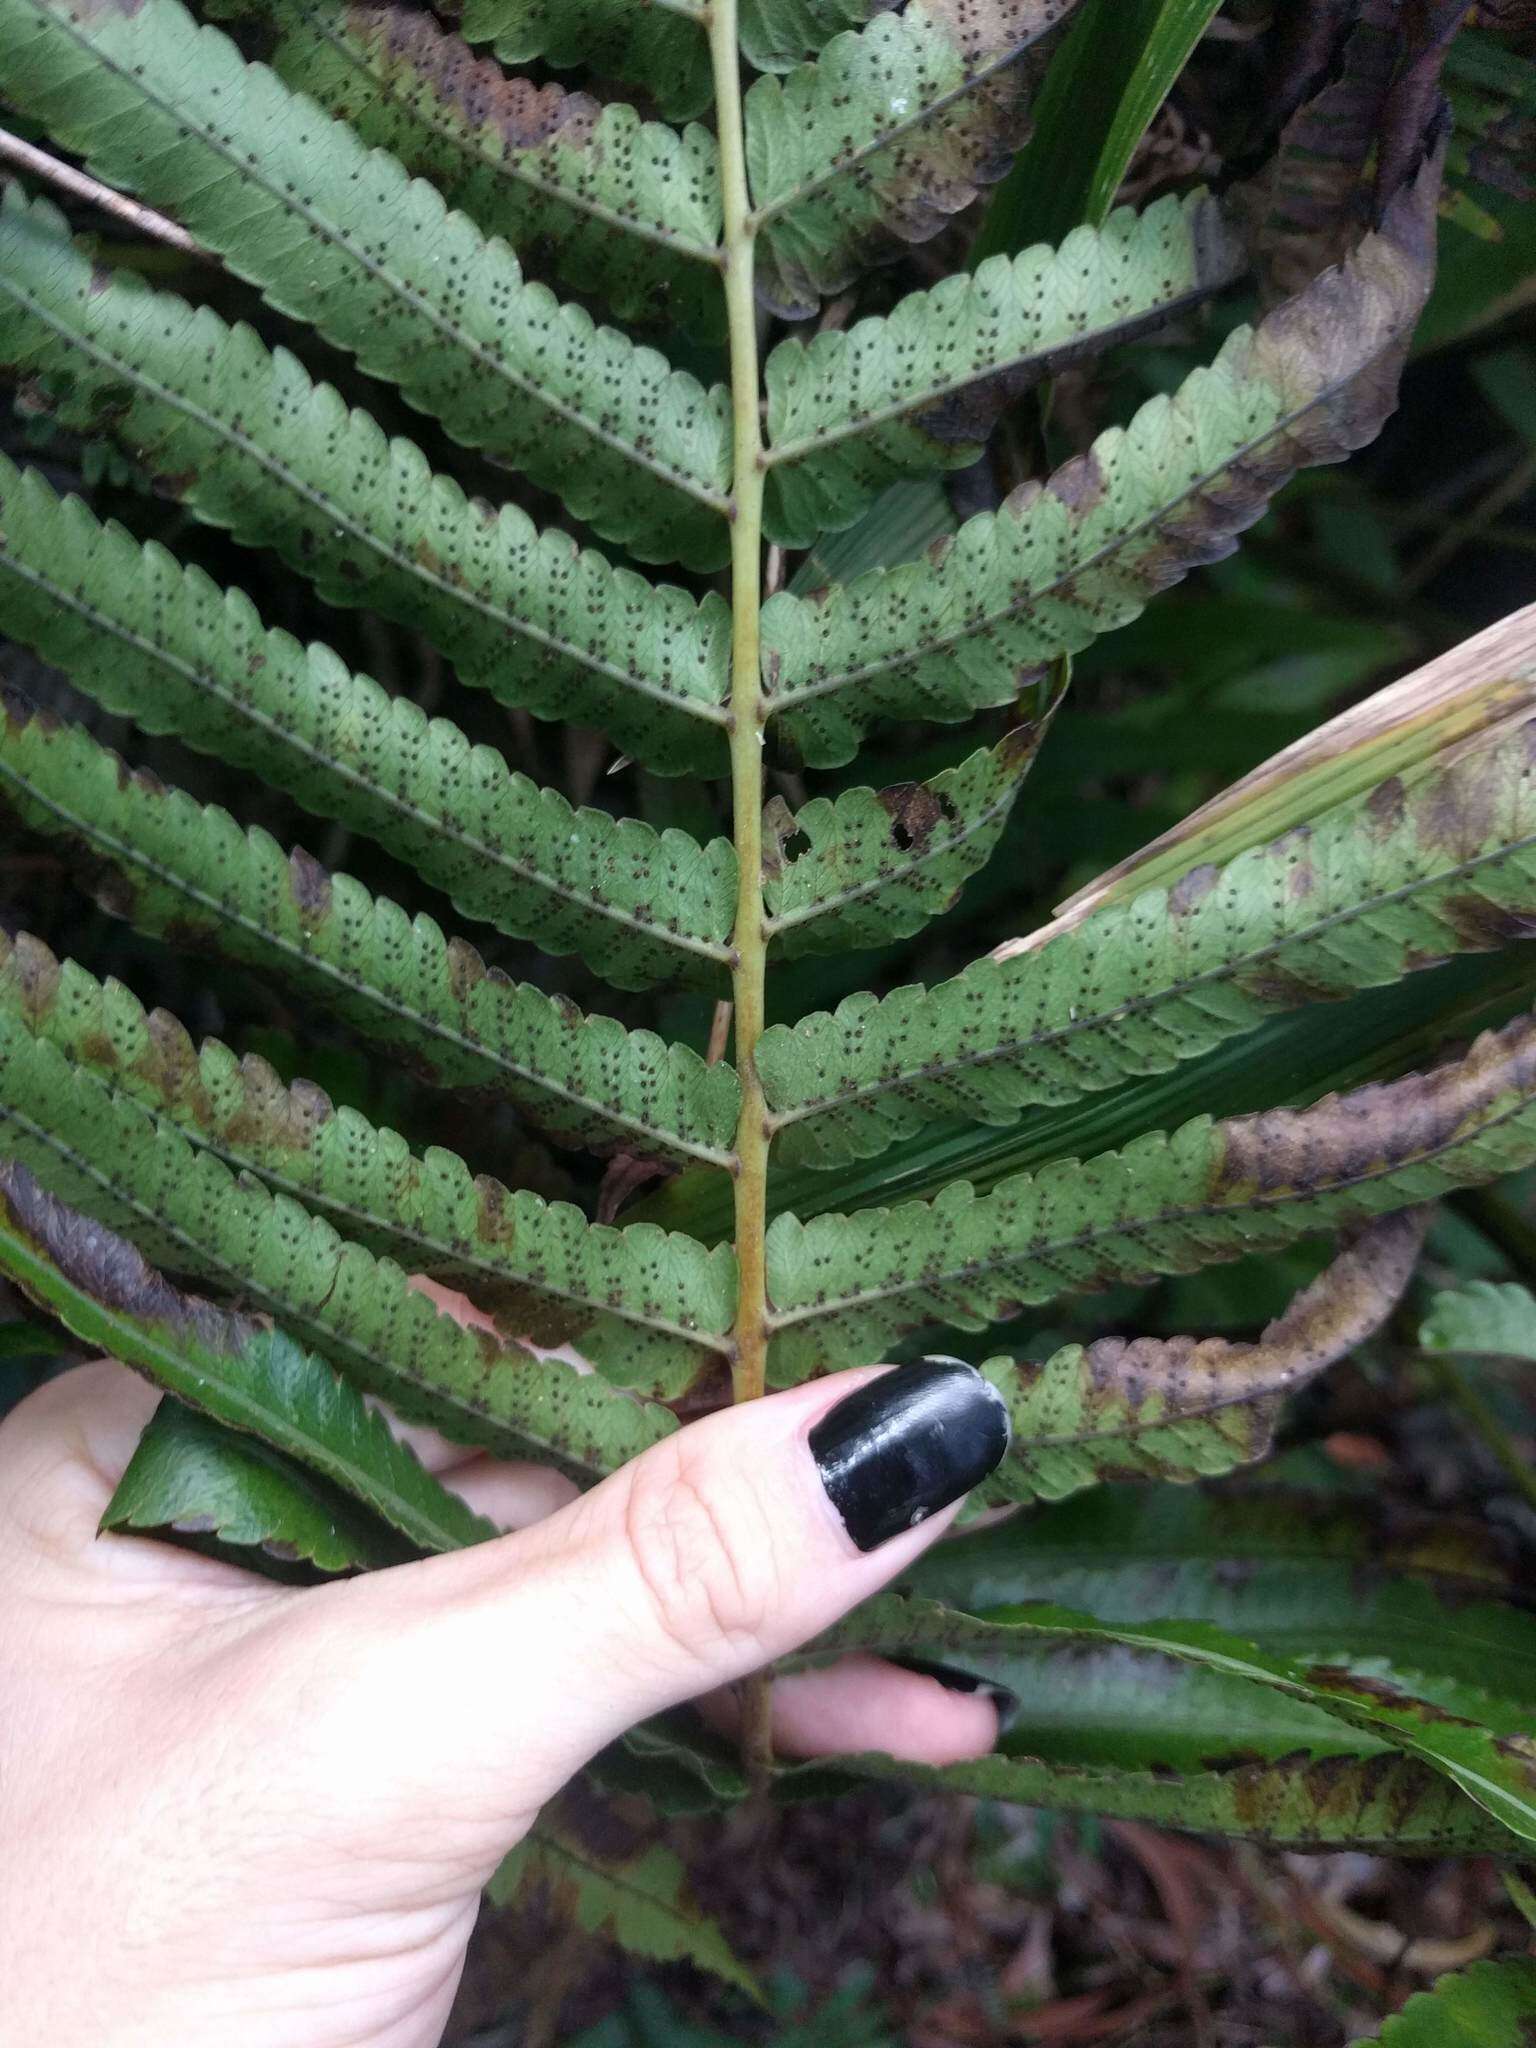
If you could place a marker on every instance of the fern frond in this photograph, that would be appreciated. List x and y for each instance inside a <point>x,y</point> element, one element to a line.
<point>1061,562</point>
<point>920,389</point>
<point>776,35</point>
<point>648,1307</point>
<point>249,442</point>
<point>845,1286</point>
<point>339,235</point>
<point>659,44</point>
<point>163,645</point>
<point>184,1209</point>
<point>1185,1408</point>
<point>179,870</point>
<point>1484,1318</point>
<point>251,1378</point>
<point>1493,1765</point>
<point>1394,881</point>
<point>881,863</point>
<point>891,130</point>
<point>195,1481</point>
<point>623,208</point>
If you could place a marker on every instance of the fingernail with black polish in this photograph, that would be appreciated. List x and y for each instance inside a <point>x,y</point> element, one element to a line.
<point>1007,1703</point>
<point>908,1444</point>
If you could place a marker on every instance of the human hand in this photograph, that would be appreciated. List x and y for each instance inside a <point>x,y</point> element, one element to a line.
<point>241,1815</point>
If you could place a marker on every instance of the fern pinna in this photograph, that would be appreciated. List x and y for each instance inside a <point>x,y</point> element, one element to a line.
<point>643,323</point>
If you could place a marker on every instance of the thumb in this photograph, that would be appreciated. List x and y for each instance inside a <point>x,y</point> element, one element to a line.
<point>491,1675</point>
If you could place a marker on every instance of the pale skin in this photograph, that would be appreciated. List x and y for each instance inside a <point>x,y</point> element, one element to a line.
<point>241,1815</point>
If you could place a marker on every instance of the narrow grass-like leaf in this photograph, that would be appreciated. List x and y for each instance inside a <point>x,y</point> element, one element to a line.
<point>1492,2005</point>
<point>894,128</point>
<point>165,646</point>
<point>1394,881</point>
<point>244,436</point>
<point>880,863</point>
<point>185,1210</point>
<point>624,208</point>
<point>241,1372</point>
<point>842,1287</point>
<point>1486,683</point>
<point>195,1482</point>
<point>1063,561</point>
<point>1185,1408</point>
<point>920,389</point>
<point>659,44</point>
<point>188,872</point>
<point>1117,64</point>
<point>337,234</point>
<point>648,1307</point>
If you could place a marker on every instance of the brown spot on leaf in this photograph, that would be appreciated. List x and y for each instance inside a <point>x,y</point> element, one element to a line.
<point>916,812</point>
<point>1193,888</point>
<point>1387,805</point>
<point>311,887</point>
<point>1079,483</point>
<point>1347,1139</point>
<point>1483,926</point>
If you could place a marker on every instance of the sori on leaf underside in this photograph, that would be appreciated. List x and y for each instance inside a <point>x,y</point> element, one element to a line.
<point>565,394</point>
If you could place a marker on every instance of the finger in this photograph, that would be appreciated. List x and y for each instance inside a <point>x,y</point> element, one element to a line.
<point>64,1448</point>
<point>864,1703</point>
<point>510,1495</point>
<point>492,1674</point>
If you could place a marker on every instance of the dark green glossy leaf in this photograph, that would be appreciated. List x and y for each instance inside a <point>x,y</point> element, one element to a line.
<point>194,1481</point>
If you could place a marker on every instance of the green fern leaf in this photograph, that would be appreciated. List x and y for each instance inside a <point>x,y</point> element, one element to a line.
<point>1184,1408</point>
<point>166,647</point>
<point>776,35</point>
<point>843,1287</point>
<point>1062,562</point>
<point>183,1208</point>
<point>1331,1577</point>
<point>1494,1768</point>
<point>179,870</point>
<point>894,128</point>
<point>1378,1803</point>
<point>920,389</point>
<point>1485,1319</point>
<point>193,1482</point>
<point>241,1372</point>
<point>250,443</point>
<point>881,863</point>
<point>659,45</point>
<point>635,1894</point>
<point>1492,2005</point>
<point>1370,891</point>
<point>339,235</point>
<point>624,208</point>
<point>1316,1580</point>
<point>648,1307</point>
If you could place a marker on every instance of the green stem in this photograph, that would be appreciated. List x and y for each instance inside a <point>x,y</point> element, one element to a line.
<point>750,941</point>
<point>750,937</point>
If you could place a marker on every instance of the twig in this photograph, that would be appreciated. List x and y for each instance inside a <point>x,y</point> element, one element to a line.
<point>142,218</point>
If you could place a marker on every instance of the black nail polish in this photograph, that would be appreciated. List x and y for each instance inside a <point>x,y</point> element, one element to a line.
<point>907,1444</point>
<point>1005,1701</point>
